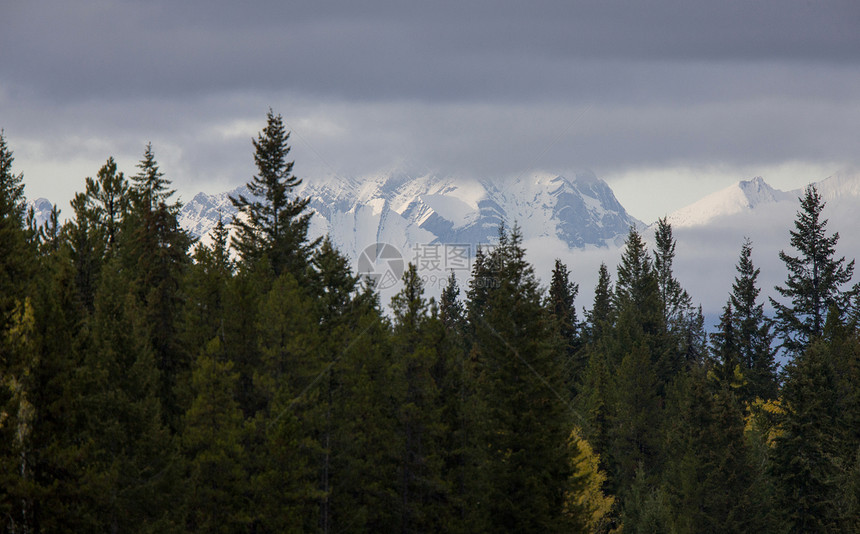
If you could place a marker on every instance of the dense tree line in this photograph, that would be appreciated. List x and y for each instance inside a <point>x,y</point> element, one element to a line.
<point>151,384</point>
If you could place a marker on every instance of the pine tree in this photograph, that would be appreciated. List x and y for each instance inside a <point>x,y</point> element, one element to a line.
<point>149,186</point>
<point>155,254</point>
<point>637,289</point>
<point>676,301</point>
<point>526,420</point>
<point>454,375</point>
<point>726,352</point>
<point>814,278</point>
<point>285,442</point>
<point>451,309</point>
<point>562,294</point>
<point>271,224</point>
<point>685,325</point>
<point>365,459</point>
<point>107,200</point>
<point>805,461</point>
<point>634,421</point>
<point>640,315</point>
<point>752,330</point>
<point>132,462</point>
<point>592,402</point>
<point>213,444</point>
<point>15,254</point>
<point>600,317</point>
<point>708,475</point>
<point>206,285</point>
<point>421,488</point>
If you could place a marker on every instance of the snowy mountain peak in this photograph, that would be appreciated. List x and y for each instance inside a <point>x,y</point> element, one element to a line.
<point>434,208</point>
<point>843,184</point>
<point>737,198</point>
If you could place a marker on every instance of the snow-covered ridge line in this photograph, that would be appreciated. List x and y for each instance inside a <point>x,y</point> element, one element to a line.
<point>407,211</point>
<point>747,195</point>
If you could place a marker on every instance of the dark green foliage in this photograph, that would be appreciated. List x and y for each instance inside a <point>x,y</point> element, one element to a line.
<point>805,460</point>
<point>213,438</point>
<point>526,421</point>
<point>634,419</point>
<point>560,302</point>
<point>143,389</point>
<point>752,338</point>
<point>709,476</point>
<point>601,315</point>
<point>676,301</point>
<point>271,225</point>
<point>154,251</point>
<point>132,461</point>
<point>814,280</point>
<point>107,200</point>
<point>149,188</point>
<point>415,357</point>
<point>15,254</point>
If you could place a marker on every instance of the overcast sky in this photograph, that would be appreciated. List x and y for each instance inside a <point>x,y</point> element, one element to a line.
<point>667,101</point>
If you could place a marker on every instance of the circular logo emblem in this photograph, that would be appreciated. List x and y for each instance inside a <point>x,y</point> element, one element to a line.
<point>382,263</point>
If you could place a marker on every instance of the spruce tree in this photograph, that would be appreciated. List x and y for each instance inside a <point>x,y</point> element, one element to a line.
<point>149,186</point>
<point>815,278</point>
<point>284,444</point>
<point>421,488</point>
<point>752,330</point>
<point>684,323</point>
<point>271,224</point>
<point>107,200</point>
<point>15,254</point>
<point>217,493</point>
<point>561,305</point>
<point>592,401</point>
<point>526,419</point>
<point>676,301</point>
<point>708,475</point>
<point>133,465</point>
<point>806,461</point>
<point>154,251</point>
<point>206,285</point>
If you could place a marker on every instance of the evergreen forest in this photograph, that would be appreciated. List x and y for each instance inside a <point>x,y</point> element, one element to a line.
<point>149,383</point>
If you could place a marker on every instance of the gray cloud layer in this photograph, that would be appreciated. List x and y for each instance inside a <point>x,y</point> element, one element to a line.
<point>488,88</point>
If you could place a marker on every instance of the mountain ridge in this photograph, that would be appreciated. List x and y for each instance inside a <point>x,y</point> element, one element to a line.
<point>430,208</point>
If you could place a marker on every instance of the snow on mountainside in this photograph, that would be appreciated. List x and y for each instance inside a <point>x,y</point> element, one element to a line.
<point>711,231</point>
<point>41,210</point>
<point>841,189</point>
<point>741,197</point>
<point>842,186</point>
<point>407,211</point>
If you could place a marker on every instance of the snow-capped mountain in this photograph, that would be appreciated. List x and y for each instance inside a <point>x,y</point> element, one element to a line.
<point>747,195</point>
<point>41,210</point>
<point>407,211</point>
<point>842,186</point>
<point>710,232</point>
<point>741,197</point>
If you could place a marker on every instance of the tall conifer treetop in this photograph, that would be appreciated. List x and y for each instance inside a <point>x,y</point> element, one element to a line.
<point>270,223</point>
<point>814,278</point>
<point>11,186</point>
<point>150,185</point>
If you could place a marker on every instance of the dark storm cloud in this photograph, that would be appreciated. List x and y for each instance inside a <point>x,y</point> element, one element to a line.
<point>493,89</point>
<point>408,50</point>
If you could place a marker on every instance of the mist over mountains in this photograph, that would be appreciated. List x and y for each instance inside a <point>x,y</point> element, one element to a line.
<point>428,217</point>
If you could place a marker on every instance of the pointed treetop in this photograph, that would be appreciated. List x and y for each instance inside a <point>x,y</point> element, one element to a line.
<point>814,278</point>
<point>11,187</point>
<point>150,186</point>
